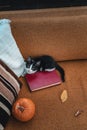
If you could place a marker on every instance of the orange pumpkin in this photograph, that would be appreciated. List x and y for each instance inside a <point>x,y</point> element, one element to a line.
<point>23,109</point>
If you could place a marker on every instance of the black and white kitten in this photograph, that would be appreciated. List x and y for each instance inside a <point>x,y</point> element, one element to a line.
<point>43,63</point>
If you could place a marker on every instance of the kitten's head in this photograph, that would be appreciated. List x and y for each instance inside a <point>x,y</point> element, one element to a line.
<point>32,65</point>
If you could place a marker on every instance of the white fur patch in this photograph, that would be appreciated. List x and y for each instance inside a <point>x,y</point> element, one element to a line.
<point>41,69</point>
<point>1,127</point>
<point>30,71</point>
<point>50,69</point>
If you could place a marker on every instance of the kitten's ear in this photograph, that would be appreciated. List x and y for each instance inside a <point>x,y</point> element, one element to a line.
<point>38,63</point>
<point>29,59</point>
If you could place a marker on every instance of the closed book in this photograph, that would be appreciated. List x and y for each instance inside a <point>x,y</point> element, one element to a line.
<point>40,80</point>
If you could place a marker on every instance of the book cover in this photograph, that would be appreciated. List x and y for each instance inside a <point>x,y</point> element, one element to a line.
<point>40,80</point>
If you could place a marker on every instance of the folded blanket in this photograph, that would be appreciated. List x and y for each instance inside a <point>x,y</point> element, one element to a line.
<point>9,51</point>
<point>9,89</point>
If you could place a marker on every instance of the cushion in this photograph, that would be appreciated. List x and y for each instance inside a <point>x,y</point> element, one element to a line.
<point>9,89</point>
<point>61,33</point>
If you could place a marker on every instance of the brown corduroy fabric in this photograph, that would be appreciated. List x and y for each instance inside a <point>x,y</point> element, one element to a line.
<point>51,114</point>
<point>61,33</point>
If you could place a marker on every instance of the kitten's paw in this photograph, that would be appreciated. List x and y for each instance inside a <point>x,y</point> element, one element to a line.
<point>41,69</point>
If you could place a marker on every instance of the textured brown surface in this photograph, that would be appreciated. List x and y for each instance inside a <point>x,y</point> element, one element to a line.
<point>61,33</point>
<point>51,114</point>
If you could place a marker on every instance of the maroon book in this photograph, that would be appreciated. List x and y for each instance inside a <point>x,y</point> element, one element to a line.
<point>40,80</point>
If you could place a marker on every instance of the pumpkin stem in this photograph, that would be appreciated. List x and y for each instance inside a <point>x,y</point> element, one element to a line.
<point>21,108</point>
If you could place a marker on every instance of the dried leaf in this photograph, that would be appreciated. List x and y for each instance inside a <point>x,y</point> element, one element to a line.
<point>64,96</point>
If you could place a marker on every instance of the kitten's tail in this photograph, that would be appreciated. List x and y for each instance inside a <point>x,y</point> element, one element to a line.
<point>61,70</point>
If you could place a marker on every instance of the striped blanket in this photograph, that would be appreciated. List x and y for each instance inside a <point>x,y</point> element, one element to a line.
<point>9,89</point>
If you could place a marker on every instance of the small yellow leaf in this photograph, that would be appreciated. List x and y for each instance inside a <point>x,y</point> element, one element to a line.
<point>64,96</point>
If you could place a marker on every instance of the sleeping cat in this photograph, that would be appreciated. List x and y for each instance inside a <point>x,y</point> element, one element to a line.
<point>43,63</point>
